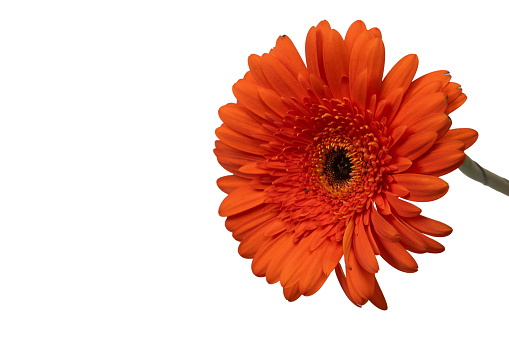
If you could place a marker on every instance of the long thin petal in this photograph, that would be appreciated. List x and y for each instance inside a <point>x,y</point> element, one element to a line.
<point>240,200</point>
<point>414,146</point>
<point>354,31</point>
<point>281,79</point>
<point>413,110</point>
<point>400,76</point>
<point>361,280</point>
<point>409,238</point>
<point>255,66</point>
<point>279,255</point>
<point>238,119</point>
<point>336,61</point>
<point>364,252</point>
<point>438,123</point>
<point>429,226</point>
<point>255,239</point>
<point>230,183</point>
<point>378,298</point>
<point>239,141</point>
<point>467,135</point>
<point>401,207</point>
<point>422,187</point>
<point>288,55</point>
<point>349,290</point>
<point>460,100</point>
<point>314,49</point>
<point>242,223</point>
<point>382,227</point>
<point>396,256</point>
<point>442,76</point>
<point>247,95</point>
<point>438,162</point>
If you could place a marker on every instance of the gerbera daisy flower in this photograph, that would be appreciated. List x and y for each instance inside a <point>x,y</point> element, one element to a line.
<point>325,157</point>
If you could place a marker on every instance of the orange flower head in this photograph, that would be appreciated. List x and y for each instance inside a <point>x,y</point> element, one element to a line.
<point>325,157</point>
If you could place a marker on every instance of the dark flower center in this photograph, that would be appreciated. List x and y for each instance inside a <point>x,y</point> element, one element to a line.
<point>337,167</point>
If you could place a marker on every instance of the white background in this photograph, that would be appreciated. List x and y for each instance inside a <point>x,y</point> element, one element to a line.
<point>108,202</point>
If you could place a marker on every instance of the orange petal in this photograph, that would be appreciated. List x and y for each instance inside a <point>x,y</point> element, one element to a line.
<point>401,207</point>
<point>234,156</point>
<point>317,285</point>
<point>241,200</point>
<point>253,168</point>
<point>239,141</point>
<point>456,103</point>
<point>442,76</point>
<point>362,281</point>
<point>373,59</point>
<point>347,239</point>
<point>364,252</point>
<point>247,95</point>
<point>467,135</point>
<point>399,164</point>
<point>314,49</point>
<point>409,238</point>
<point>397,189</point>
<point>371,239</point>
<point>265,254</point>
<point>414,109</point>
<point>332,256</point>
<point>396,256</point>
<point>281,79</point>
<point>432,245</point>
<point>357,54</point>
<point>429,226</point>
<point>378,298</point>
<point>238,119</point>
<point>352,295</point>
<point>312,274</point>
<point>241,224</point>
<point>229,183</point>
<point>368,54</point>
<point>438,123</point>
<point>355,29</point>
<point>438,162</point>
<point>292,268</point>
<point>422,187</point>
<point>414,146</point>
<point>254,240</point>
<point>389,106</point>
<point>261,260</point>
<point>279,255</point>
<point>359,90</point>
<point>255,66</point>
<point>453,91</point>
<point>273,101</point>
<point>336,61</point>
<point>400,76</point>
<point>291,293</point>
<point>288,55</point>
<point>382,227</point>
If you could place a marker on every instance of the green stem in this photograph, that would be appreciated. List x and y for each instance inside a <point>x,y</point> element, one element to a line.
<point>474,171</point>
